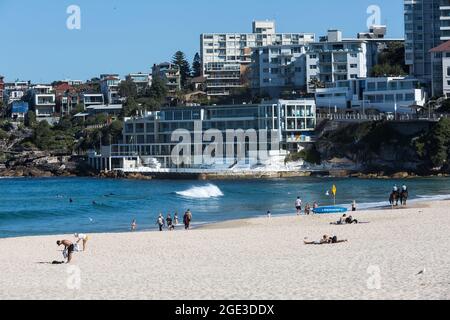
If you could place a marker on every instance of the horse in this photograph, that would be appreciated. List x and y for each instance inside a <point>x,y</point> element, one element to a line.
<point>394,198</point>
<point>404,197</point>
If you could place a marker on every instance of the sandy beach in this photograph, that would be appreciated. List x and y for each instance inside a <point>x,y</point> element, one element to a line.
<point>249,259</point>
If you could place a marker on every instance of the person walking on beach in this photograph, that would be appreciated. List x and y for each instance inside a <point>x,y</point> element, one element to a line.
<point>82,237</point>
<point>133,225</point>
<point>175,219</point>
<point>160,222</point>
<point>354,207</point>
<point>298,205</point>
<point>187,219</point>
<point>169,222</point>
<point>69,248</point>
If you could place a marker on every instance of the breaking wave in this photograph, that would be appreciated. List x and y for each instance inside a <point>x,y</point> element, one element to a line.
<point>205,192</point>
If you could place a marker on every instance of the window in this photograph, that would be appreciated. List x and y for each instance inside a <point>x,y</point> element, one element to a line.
<point>353,66</point>
<point>409,97</point>
<point>354,55</point>
<point>313,67</point>
<point>382,86</point>
<point>313,56</point>
<point>389,98</point>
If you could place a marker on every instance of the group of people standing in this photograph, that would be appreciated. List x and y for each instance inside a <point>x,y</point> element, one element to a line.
<point>169,222</point>
<point>308,208</point>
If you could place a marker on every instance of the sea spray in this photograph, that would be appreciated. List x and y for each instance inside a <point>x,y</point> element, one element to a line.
<point>204,192</point>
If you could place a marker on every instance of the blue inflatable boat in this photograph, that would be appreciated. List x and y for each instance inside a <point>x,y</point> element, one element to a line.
<point>330,210</point>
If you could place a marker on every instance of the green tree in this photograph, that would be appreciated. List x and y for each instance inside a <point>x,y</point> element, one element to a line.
<point>158,90</point>
<point>131,107</point>
<point>128,89</point>
<point>2,109</point>
<point>179,59</point>
<point>391,61</point>
<point>197,66</point>
<point>30,119</point>
<point>435,145</point>
<point>387,70</point>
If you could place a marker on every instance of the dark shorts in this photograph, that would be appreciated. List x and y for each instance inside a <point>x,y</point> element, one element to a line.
<point>298,208</point>
<point>70,249</point>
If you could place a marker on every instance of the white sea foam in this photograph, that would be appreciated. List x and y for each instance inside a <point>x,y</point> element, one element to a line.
<point>205,192</point>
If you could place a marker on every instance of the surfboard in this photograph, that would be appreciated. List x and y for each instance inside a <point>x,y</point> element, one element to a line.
<point>330,210</point>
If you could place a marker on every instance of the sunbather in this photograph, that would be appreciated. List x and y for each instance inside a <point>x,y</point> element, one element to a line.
<point>325,240</point>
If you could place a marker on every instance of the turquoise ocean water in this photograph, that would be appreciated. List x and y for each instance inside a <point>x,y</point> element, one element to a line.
<point>42,206</point>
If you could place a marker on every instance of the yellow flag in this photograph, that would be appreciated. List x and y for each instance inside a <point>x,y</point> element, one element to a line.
<point>334,190</point>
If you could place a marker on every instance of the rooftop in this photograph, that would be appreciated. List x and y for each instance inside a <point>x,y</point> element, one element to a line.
<point>445,47</point>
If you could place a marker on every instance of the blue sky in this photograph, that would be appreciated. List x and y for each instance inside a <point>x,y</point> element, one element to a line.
<point>120,36</point>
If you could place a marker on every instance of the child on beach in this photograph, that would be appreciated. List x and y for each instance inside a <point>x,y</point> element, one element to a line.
<point>307,209</point>
<point>133,225</point>
<point>354,206</point>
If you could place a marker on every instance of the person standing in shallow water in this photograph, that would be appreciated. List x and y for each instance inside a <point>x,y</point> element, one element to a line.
<point>169,222</point>
<point>160,222</point>
<point>133,225</point>
<point>187,219</point>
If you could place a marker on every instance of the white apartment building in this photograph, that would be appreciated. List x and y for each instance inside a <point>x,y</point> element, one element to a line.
<point>43,101</point>
<point>278,68</point>
<point>109,84</point>
<point>389,94</point>
<point>170,74</point>
<point>141,80</point>
<point>226,56</point>
<point>15,91</point>
<point>442,53</point>
<point>335,59</point>
<point>73,82</point>
<point>93,99</point>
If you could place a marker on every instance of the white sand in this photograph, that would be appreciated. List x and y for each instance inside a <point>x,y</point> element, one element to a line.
<point>252,259</point>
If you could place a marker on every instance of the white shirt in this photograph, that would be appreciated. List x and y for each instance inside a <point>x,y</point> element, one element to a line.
<point>82,236</point>
<point>298,203</point>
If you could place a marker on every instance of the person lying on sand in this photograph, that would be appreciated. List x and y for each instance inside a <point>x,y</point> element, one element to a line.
<point>345,220</point>
<point>69,248</point>
<point>325,240</point>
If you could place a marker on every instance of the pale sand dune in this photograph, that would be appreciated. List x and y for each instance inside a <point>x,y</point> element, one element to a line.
<point>252,259</point>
